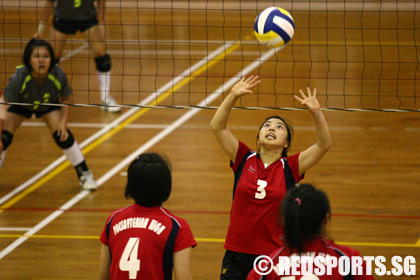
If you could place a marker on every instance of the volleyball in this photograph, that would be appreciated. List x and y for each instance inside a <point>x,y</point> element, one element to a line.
<point>274,27</point>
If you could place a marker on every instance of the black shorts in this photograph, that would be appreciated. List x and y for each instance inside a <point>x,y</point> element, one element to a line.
<point>237,266</point>
<point>71,27</point>
<point>22,111</point>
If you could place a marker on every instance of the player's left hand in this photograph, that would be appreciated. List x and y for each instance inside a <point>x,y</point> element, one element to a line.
<point>309,100</point>
<point>62,132</point>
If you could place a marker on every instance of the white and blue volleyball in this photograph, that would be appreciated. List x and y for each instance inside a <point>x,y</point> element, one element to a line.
<point>274,27</point>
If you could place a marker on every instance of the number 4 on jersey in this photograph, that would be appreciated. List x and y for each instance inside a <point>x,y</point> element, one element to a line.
<point>129,259</point>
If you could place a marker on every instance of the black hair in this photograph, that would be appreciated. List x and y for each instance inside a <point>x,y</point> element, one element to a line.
<point>289,128</point>
<point>29,49</point>
<point>303,210</point>
<point>149,180</point>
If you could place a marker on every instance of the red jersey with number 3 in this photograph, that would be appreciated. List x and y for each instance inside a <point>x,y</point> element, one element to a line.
<point>257,195</point>
<point>317,247</point>
<point>142,240</point>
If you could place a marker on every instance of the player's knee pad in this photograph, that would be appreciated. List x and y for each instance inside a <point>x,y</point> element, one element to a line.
<point>6,138</point>
<point>64,144</point>
<point>103,63</point>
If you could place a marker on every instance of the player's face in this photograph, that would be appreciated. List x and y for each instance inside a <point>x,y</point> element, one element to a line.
<point>273,133</point>
<point>40,60</point>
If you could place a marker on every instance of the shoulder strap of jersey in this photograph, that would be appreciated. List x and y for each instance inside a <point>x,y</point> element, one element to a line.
<point>108,227</point>
<point>288,175</point>
<point>341,254</point>
<point>167,261</point>
<point>238,171</point>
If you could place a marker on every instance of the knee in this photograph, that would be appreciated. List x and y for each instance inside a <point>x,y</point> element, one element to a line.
<point>64,144</point>
<point>6,139</point>
<point>103,63</point>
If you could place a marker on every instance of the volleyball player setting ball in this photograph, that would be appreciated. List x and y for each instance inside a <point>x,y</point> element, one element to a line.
<point>262,176</point>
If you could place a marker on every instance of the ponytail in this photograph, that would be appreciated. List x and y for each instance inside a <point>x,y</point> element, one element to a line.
<point>292,232</point>
<point>303,210</point>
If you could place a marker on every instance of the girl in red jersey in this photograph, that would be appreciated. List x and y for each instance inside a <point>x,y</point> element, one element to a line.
<point>306,211</point>
<point>145,240</point>
<point>262,178</point>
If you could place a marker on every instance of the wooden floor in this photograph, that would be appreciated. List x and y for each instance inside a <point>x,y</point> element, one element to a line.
<point>50,230</point>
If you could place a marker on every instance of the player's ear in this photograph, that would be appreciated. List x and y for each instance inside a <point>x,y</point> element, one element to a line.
<point>327,218</point>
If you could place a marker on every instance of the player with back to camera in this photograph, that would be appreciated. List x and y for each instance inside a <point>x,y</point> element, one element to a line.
<point>304,213</point>
<point>71,16</point>
<point>38,81</point>
<point>145,240</point>
<point>262,178</point>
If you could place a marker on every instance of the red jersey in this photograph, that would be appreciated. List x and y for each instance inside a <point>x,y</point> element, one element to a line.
<point>257,195</point>
<point>142,240</point>
<point>317,247</point>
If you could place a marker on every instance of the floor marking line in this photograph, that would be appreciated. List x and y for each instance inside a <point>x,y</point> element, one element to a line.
<point>208,240</point>
<point>14,229</point>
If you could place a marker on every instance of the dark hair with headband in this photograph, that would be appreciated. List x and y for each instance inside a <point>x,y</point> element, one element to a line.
<point>289,129</point>
<point>303,212</point>
<point>29,49</point>
<point>149,180</point>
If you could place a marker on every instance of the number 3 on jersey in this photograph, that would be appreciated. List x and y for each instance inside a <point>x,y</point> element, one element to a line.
<point>260,194</point>
<point>129,259</point>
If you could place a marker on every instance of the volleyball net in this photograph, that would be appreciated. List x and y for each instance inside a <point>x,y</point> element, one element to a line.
<point>360,55</point>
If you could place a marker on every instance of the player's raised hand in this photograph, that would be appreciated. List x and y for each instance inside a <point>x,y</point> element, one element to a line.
<point>309,100</point>
<point>245,85</point>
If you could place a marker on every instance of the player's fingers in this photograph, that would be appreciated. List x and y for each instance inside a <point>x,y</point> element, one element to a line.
<point>255,82</point>
<point>249,79</point>
<point>309,91</point>
<point>314,94</point>
<point>254,78</point>
<point>298,98</point>
<point>63,136</point>
<point>302,94</point>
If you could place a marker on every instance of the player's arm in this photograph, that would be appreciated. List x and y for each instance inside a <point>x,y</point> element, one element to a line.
<point>45,14</point>
<point>65,113</point>
<point>182,264</point>
<point>3,112</point>
<point>314,153</point>
<point>100,12</point>
<point>218,124</point>
<point>104,263</point>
